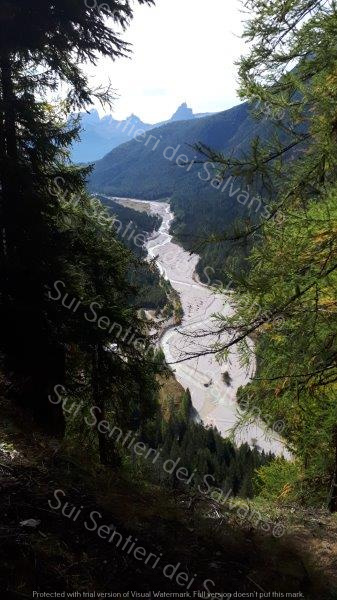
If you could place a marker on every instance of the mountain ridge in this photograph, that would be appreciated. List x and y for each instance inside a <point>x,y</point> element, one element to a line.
<point>162,164</point>
<point>142,167</point>
<point>100,135</point>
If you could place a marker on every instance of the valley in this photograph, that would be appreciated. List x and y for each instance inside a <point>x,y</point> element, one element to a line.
<point>168,299</point>
<point>213,399</point>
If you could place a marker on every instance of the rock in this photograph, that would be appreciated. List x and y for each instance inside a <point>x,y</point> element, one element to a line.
<point>30,523</point>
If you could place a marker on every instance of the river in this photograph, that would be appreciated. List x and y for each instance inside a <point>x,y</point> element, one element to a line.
<point>214,400</point>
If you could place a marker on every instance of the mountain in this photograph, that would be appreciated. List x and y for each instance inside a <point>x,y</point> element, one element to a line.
<point>149,166</point>
<point>162,164</point>
<point>183,113</point>
<point>100,135</point>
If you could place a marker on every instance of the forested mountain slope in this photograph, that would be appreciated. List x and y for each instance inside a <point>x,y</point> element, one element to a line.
<point>132,229</point>
<point>147,167</point>
<point>163,164</point>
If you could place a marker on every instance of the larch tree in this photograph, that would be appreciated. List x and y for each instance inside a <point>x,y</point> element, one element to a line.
<point>287,297</point>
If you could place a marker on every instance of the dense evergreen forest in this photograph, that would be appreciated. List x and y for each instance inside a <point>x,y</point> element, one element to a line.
<point>92,417</point>
<point>133,228</point>
<point>212,462</point>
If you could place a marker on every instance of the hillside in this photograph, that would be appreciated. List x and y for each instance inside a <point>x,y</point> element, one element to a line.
<point>147,167</point>
<point>149,291</point>
<point>58,508</point>
<point>150,168</point>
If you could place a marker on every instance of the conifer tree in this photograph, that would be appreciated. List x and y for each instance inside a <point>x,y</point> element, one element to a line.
<point>50,234</point>
<point>289,77</point>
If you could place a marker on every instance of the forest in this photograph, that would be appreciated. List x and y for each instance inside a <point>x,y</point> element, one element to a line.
<point>202,204</point>
<point>207,515</point>
<point>133,228</point>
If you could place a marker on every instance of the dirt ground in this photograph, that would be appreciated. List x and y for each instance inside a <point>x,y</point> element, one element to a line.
<point>45,550</point>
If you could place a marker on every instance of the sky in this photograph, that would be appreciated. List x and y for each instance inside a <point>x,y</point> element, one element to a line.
<point>183,50</point>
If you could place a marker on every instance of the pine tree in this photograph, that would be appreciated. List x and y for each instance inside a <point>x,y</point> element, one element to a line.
<point>49,228</point>
<point>246,488</point>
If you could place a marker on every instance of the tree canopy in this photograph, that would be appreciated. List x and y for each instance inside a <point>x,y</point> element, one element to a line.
<point>287,298</point>
<point>55,233</point>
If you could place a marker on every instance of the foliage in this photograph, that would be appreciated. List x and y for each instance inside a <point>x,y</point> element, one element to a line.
<point>47,238</point>
<point>287,300</point>
<point>132,228</point>
<point>211,461</point>
<point>278,481</point>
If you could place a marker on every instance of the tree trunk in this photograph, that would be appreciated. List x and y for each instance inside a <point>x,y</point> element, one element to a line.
<point>107,451</point>
<point>38,366</point>
<point>9,103</point>
<point>9,153</point>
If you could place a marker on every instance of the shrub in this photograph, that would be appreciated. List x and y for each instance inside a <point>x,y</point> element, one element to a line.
<point>280,480</point>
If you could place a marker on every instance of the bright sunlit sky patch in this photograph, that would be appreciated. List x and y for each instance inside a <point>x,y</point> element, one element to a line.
<point>183,50</point>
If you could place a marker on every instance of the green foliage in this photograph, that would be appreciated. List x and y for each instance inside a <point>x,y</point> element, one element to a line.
<point>211,461</point>
<point>278,481</point>
<point>52,232</point>
<point>132,226</point>
<point>150,291</point>
<point>287,299</point>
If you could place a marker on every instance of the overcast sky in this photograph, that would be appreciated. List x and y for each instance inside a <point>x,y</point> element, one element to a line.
<point>183,50</point>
